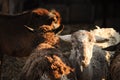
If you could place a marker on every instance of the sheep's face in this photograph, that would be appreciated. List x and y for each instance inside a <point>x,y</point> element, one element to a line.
<point>82,43</point>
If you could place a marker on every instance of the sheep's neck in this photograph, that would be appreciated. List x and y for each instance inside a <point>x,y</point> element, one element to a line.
<point>50,40</point>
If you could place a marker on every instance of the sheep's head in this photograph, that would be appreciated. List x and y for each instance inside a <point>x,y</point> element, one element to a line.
<point>40,17</point>
<point>43,21</point>
<point>51,26</point>
<point>46,28</point>
<point>82,46</point>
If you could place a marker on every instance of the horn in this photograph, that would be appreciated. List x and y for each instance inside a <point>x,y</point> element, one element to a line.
<point>59,29</point>
<point>56,25</point>
<point>29,28</point>
<point>112,48</point>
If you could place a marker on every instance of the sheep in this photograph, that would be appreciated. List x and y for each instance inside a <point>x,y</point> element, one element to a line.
<point>14,35</point>
<point>47,62</point>
<point>109,34</point>
<point>115,61</point>
<point>87,58</point>
<point>12,65</point>
<point>18,41</point>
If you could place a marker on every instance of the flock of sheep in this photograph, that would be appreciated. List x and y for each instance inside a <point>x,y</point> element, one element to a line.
<point>81,55</point>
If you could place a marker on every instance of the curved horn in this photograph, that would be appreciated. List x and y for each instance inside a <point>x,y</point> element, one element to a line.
<point>59,29</point>
<point>112,47</point>
<point>56,25</point>
<point>29,28</point>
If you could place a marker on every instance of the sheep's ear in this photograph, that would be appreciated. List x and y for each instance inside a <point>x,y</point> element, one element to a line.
<point>29,28</point>
<point>66,38</point>
<point>100,39</point>
<point>110,48</point>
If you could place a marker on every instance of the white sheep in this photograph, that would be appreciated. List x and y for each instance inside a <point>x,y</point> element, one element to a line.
<point>101,34</point>
<point>108,33</point>
<point>87,58</point>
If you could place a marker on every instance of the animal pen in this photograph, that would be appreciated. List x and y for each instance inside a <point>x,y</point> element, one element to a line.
<point>59,40</point>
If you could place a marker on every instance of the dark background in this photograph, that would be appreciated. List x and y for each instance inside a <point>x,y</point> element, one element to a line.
<point>104,13</point>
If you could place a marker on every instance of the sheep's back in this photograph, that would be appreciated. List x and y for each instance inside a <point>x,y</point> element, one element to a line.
<point>115,68</point>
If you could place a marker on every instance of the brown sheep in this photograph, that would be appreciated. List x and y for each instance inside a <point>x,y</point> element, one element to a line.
<point>15,39</point>
<point>115,61</point>
<point>47,62</point>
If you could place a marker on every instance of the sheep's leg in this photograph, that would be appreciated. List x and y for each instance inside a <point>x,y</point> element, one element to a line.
<point>1,59</point>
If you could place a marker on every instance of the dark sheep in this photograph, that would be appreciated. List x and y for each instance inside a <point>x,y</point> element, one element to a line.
<point>115,61</point>
<point>47,62</point>
<point>15,38</point>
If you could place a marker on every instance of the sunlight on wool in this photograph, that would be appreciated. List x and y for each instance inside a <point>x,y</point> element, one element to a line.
<point>109,33</point>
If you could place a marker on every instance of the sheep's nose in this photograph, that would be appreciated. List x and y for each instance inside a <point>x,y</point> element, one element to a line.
<point>83,57</point>
<point>85,61</point>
